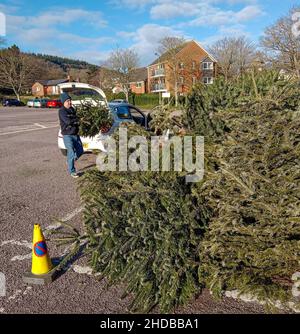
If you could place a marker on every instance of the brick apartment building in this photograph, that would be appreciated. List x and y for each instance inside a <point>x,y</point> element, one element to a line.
<point>193,65</point>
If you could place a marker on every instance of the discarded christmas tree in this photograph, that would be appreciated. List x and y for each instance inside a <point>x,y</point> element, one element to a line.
<point>252,243</point>
<point>237,229</point>
<point>94,117</point>
<point>141,236</point>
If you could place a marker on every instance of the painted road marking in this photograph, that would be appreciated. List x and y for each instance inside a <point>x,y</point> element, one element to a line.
<point>82,270</point>
<point>25,243</point>
<point>22,243</point>
<point>11,133</point>
<point>78,269</point>
<point>40,125</point>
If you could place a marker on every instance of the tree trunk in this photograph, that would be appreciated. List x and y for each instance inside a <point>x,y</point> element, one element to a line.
<point>176,94</point>
<point>296,65</point>
<point>16,93</point>
<point>126,95</point>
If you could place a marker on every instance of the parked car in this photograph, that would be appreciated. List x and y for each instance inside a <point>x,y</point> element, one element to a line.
<point>40,103</point>
<point>54,104</point>
<point>30,103</point>
<point>12,102</point>
<point>121,112</point>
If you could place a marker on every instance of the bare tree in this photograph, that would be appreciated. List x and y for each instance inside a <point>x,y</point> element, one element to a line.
<point>234,55</point>
<point>169,47</point>
<point>17,70</point>
<point>282,44</point>
<point>123,62</point>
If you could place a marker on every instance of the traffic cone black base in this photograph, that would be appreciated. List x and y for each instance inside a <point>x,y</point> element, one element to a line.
<point>45,279</point>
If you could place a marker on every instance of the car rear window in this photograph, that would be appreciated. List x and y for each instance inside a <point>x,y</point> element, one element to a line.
<point>123,112</point>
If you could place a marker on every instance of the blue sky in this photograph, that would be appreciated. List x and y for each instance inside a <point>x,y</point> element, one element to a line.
<point>90,30</point>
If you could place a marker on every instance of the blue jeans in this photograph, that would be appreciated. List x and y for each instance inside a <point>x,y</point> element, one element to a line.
<point>74,150</point>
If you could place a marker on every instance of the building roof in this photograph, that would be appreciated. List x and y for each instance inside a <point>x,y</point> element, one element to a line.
<point>140,74</point>
<point>52,82</point>
<point>164,57</point>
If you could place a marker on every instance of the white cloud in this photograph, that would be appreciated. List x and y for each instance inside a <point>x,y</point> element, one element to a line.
<point>237,30</point>
<point>171,10</point>
<point>91,56</point>
<point>132,3</point>
<point>220,17</point>
<point>46,32</point>
<point>146,40</point>
<point>68,16</point>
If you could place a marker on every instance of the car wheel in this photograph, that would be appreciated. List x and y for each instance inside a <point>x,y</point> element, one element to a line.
<point>63,152</point>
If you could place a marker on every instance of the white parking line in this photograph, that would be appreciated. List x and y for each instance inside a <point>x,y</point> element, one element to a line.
<point>10,133</point>
<point>40,125</point>
<point>28,245</point>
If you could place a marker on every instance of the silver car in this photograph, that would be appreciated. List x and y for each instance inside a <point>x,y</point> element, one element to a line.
<point>40,103</point>
<point>30,103</point>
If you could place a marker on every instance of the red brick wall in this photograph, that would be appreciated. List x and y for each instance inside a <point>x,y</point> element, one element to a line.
<point>38,89</point>
<point>138,90</point>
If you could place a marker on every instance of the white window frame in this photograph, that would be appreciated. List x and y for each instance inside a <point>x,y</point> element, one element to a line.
<point>181,80</point>
<point>208,80</point>
<point>208,65</point>
<point>139,84</point>
<point>193,65</point>
<point>194,80</point>
<point>181,66</point>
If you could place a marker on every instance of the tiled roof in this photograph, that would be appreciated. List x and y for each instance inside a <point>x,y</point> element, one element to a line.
<point>52,82</point>
<point>140,74</point>
<point>166,55</point>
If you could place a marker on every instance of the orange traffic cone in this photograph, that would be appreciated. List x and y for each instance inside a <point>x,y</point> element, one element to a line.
<point>41,269</point>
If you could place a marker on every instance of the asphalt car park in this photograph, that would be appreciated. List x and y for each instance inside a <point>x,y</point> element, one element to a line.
<point>36,189</point>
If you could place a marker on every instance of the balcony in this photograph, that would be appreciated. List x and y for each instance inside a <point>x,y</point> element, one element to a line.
<point>158,73</point>
<point>158,88</point>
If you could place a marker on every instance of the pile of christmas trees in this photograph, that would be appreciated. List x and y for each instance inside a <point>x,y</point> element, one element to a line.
<point>144,230</point>
<point>253,240</point>
<point>238,228</point>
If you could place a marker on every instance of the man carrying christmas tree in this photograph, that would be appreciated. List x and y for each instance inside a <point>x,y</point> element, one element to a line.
<point>69,124</point>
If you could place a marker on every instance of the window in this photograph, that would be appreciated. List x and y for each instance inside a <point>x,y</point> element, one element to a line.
<point>181,80</point>
<point>137,116</point>
<point>194,80</point>
<point>208,65</point>
<point>208,80</point>
<point>193,65</point>
<point>181,66</point>
<point>139,84</point>
<point>123,112</point>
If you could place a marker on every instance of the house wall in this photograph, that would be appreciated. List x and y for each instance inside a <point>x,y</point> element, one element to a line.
<point>138,90</point>
<point>38,90</point>
<point>191,56</point>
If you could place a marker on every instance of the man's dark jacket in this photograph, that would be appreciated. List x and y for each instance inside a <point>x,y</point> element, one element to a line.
<point>68,121</point>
